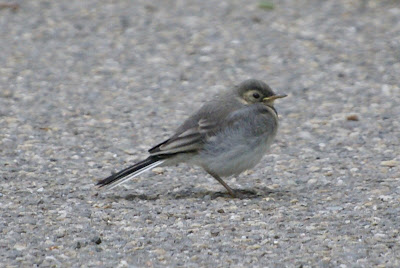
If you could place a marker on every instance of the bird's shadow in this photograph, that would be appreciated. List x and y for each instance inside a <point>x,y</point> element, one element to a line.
<point>190,193</point>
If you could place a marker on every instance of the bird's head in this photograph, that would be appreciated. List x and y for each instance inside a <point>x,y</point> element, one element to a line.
<point>253,91</point>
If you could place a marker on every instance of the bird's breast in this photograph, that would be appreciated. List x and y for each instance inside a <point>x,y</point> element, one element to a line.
<point>232,154</point>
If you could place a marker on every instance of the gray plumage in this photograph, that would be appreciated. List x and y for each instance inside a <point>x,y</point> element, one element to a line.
<point>227,136</point>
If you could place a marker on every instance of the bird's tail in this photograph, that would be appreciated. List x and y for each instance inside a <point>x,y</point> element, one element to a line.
<point>130,172</point>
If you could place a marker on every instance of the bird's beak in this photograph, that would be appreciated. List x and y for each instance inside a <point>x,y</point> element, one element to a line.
<point>270,100</point>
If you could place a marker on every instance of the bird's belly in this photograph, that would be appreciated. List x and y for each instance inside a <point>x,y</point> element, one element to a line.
<point>226,157</point>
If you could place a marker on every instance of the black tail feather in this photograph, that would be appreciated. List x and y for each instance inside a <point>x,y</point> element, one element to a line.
<point>123,173</point>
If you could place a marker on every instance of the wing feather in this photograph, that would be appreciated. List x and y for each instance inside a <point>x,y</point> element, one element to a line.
<point>197,129</point>
<point>191,139</point>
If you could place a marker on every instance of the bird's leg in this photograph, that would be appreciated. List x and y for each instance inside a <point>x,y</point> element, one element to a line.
<point>229,189</point>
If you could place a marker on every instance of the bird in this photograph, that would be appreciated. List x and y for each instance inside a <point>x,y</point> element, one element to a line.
<point>228,135</point>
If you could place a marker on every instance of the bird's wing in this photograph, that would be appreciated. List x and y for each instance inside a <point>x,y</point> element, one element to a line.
<point>197,130</point>
<point>186,140</point>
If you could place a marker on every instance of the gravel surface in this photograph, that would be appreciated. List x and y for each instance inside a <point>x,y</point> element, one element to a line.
<point>86,87</point>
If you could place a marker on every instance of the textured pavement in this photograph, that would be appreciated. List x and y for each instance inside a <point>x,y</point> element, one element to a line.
<point>86,87</point>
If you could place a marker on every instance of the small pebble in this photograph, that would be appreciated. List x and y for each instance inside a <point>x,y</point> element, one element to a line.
<point>96,240</point>
<point>390,163</point>
<point>158,170</point>
<point>352,117</point>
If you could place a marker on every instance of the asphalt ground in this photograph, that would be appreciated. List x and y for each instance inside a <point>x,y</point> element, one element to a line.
<point>86,87</point>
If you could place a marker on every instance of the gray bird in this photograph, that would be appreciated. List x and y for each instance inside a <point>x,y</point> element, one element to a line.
<point>227,136</point>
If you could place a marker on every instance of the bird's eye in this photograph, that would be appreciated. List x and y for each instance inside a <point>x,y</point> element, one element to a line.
<point>256,95</point>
